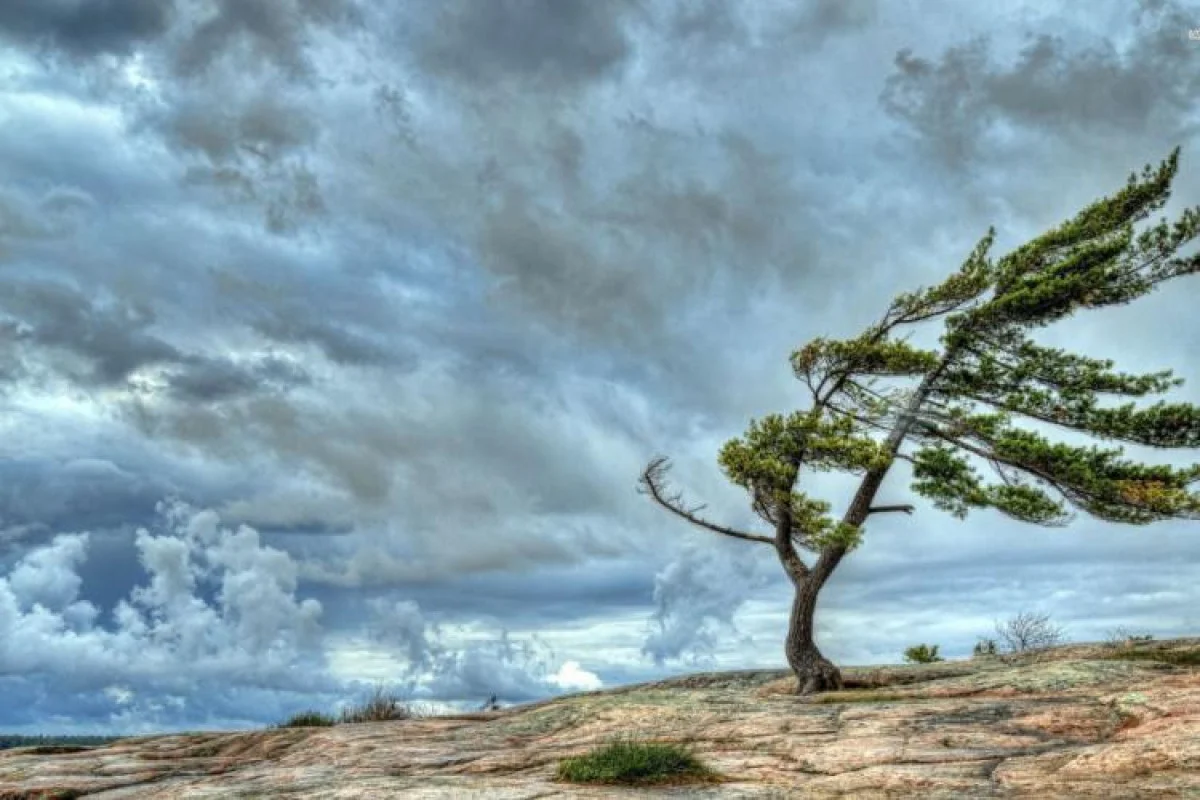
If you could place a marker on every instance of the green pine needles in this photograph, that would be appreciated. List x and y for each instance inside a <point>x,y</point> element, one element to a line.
<point>968,399</point>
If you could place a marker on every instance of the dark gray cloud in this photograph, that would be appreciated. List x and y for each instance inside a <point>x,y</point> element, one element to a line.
<point>708,23</point>
<point>1093,90</point>
<point>49,216</point>
<point>339,345</point>
<point>275,32</point>
<point>111,337</point>
<point>817,19</point>
<point>544,42</point>
<point>542,597</point>
<point>608,266</point>
<point>247,52</point>
<point>102,344</point>
<point>267,126</point>
<point>254,153</point>
<point>86,27</point>
<point>205,380</point>
<point>43,496</point>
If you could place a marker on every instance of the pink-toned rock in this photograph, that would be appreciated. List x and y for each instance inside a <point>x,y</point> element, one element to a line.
<point>1073,723</point>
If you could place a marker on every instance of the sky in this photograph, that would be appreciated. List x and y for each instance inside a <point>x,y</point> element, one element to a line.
<point>335,334</point>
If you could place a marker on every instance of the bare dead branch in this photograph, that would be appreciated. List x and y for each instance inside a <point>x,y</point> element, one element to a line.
<point>652,483</point>
<point>906,508</point>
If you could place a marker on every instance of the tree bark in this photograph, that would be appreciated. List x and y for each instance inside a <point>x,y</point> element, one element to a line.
<point>814,673</point>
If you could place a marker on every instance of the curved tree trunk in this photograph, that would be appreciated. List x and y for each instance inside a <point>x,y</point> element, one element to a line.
<point>814,672</point>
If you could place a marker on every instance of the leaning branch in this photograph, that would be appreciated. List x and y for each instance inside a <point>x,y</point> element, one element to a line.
<point>651,483</point>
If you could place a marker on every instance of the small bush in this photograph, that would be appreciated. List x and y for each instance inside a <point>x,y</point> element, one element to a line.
<point>631,762</point>
<point>308,719</point>
<point>381,707</point>
<point>922,654</point>
<point>1122,636</point>
<point>1028,632</point>
<point>984,647</point>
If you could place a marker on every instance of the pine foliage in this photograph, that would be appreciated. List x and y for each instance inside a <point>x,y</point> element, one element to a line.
<point>972,394</point>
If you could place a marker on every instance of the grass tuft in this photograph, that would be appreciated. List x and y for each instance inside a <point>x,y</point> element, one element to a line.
<point>633,762</point>
<point>308,719</point>
<point>381,707</point>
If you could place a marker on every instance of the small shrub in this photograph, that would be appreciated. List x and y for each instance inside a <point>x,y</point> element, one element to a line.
<point>922,654</point>
<point>1117,637</point>
<point>1121,636</point>
<point>1027,632</point>
<point>632,762</point>
<point>308,719</point>
<point>984,647</point>
<point>381,707</point>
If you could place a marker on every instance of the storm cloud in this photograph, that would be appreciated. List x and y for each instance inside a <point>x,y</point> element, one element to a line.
<point>86,27</point>
<point>540,41</point>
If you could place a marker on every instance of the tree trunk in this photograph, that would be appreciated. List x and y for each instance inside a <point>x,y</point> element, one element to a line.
<point>814,672</point>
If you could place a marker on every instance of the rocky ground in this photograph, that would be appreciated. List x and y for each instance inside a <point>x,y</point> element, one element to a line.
<point>1072,723</point>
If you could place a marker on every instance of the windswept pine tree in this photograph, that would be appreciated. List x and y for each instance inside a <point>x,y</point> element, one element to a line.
<point>967,400</point>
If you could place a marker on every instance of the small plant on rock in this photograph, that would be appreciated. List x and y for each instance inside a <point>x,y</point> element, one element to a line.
<point>308,719</point>
<point>922,654</point>
<point>983,648</point>
<point>381,707</point>
<point>625,761</point>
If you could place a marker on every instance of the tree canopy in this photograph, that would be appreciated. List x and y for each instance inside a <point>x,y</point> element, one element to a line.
<point>972,393</point>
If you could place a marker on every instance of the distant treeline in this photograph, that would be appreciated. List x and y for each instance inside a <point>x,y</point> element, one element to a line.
<point>12,740</point>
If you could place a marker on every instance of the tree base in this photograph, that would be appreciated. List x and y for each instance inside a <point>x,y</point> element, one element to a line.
<point>815,673</point>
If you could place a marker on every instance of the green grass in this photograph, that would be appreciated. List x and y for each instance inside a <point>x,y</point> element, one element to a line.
<point>633,762</point>
<point>1188,658</point>
<point>308,719</point>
